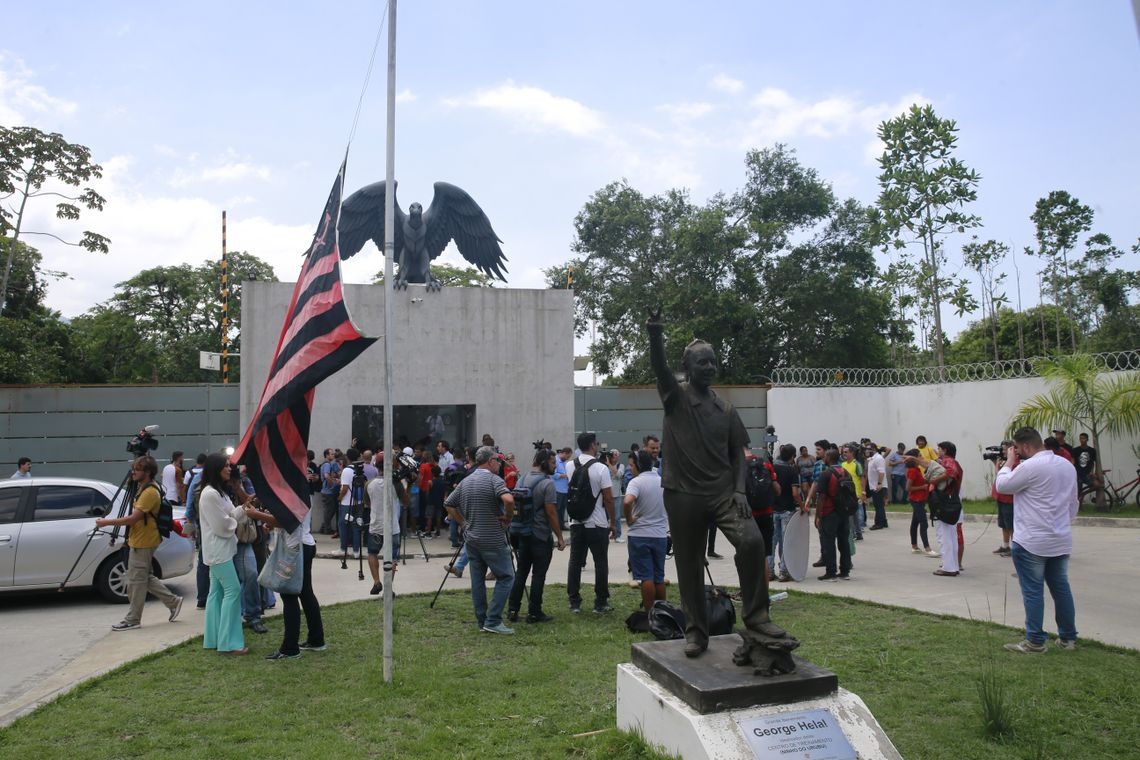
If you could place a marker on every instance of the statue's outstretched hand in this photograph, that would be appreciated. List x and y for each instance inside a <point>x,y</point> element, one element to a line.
<point>654,323</point>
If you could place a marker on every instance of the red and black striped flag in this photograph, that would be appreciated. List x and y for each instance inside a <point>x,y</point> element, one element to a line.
<point>317,339</point>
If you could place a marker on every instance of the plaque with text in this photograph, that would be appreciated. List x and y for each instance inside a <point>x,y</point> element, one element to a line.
<point>807,735</point>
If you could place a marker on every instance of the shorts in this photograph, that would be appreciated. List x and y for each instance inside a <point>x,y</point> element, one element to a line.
<point>376,543</point>
<point>647,558</point>
<point>1005,516</point>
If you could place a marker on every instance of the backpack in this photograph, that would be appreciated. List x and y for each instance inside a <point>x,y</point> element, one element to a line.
<point>666,621</point>
<point>580,498</point>
<point>758,486</point>
<point>722,612</point>
<point>844,501</point>
<point>165,519</point>
<point>522,524</point>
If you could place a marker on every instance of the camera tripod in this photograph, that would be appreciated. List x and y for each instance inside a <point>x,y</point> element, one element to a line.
<point>129,489</point>
<point>355,518</point>
<point>454,557</point>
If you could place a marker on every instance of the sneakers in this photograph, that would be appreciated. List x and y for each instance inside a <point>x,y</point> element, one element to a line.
<point>575,610</point>
<point>931,553</point>
<point>377,587</point>
<point>828,577</point>
<point>542,617</point>
<point>175,609</point>
<point>125,626</point>
<point>820,563</point>
<point>1003,551</point>
<point>603,609</point>
<point>784,577</point>
<point>257,626</point>
<point>916,550</point>
<point>619,540</point>
<point>500,628</point>
<point>457,573</point>
<point>513,616</point>
<point>310,648</point>
<point>1069,644</point>
<point>845,576</point>
<point>714,555</point>
<point>1027,647</point>
<point>279,655</point>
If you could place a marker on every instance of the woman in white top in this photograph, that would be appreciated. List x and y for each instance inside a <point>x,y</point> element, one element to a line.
<point>218,517</point>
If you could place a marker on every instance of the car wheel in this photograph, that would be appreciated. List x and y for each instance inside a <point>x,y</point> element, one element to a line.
<point>111,579</point>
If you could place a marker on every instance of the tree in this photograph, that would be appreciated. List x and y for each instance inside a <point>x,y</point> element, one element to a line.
<point>924,190</point>
<point>1059,220</point>
<point>1015,330</point>
<point>1084,398</point>
<point>452,277</point>
<point>722,271</point>
<point>165,315</point>
<point>29,159</point>
<point>985,258</point>
<point>35,343</point>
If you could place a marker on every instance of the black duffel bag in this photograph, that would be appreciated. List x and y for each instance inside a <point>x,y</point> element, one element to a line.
<point>722,612</point>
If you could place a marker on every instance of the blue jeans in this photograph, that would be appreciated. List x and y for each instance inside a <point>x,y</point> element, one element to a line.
<point>1032,573</point>
<point>348,529</point>
<point>498,561</point>
<point>560,506</point>
<point>898,489</point>
<point>780,521</point>
<point>246,566</point>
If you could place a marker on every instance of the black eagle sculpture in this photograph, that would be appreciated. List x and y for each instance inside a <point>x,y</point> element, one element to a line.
<point>422,235</point>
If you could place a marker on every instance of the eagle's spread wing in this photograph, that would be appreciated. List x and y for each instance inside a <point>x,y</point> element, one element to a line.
<point>362,219</point>
<point>454,214</point>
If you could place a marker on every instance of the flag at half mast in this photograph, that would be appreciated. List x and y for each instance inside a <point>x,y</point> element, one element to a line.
<point>317,339</point>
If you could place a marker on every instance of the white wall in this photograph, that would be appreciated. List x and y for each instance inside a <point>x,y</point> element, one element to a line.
<point>972,415</point>
<point>508,351</point>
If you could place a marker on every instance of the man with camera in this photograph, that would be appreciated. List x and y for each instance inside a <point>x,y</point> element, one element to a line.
<point>482,505</point>
<point>143,539</point>
<point>999,455</point>
<point>534,534</point>
<point>1044,488</point>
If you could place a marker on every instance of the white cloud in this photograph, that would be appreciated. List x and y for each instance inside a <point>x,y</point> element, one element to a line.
<point>778,115</point>
<point>233,171</point>
<point>684,112</point>
<point>20,100</point>
<point>535,108</point>
<point>725,83</point>
<point>405,96</point>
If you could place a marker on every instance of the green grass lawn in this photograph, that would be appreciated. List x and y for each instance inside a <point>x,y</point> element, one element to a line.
<point>464,694</point>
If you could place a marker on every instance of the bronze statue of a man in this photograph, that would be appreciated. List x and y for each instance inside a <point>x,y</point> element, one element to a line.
<point>703,474</point>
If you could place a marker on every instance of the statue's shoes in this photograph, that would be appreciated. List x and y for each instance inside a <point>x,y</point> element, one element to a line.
<point>695,649</point>
<point>768,628</point>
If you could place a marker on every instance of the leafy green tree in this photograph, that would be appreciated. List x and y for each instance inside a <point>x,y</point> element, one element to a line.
<point>923,193</point>
<point>723,271</point>
<point>452,276</point>
<point>35,343</point>
<point>985,258</point>
<point>168,314</point>
<point>29,159</point>
<point>1059,220</point>
<point>1084,397</point>
<point>1029,328</point>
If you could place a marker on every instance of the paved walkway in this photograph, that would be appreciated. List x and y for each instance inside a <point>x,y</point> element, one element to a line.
<point>53,642</point>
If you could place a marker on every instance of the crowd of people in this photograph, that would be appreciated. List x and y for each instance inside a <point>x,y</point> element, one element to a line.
<point>505,523</point>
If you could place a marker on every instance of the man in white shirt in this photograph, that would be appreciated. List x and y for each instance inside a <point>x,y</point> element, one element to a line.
<point>1044,490</point>
<point>346,520</point>
<point>644,506</point>
<point>446,458</point>
<point>594,533</point>
<point>170,479</point>
<point>877,485</point>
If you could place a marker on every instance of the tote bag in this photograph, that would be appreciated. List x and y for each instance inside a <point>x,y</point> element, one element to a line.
<point>283,571</point>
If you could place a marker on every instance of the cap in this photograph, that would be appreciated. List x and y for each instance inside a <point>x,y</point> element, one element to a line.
<point>408,450</point>
<point>1062,432</point>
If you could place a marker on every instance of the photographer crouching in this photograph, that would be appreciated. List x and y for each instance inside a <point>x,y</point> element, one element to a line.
<point>1044,489</point>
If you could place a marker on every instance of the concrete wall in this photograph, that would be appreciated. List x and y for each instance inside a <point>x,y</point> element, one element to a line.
<point>972,415</point>
<point>621,416</point>
<point>82,431</point>
<point>509,352</point>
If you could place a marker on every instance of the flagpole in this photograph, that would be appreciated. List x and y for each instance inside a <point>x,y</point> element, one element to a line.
<point>389,255</point>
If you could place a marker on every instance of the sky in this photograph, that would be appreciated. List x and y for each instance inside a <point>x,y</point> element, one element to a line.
<point>195,108</point>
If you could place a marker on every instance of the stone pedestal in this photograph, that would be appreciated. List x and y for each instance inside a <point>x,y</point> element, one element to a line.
<point>703,707</point>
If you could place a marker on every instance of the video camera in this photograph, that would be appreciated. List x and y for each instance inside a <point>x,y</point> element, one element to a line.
<point>405,467</point>
<point>994,453</point>
<point>144,442</point>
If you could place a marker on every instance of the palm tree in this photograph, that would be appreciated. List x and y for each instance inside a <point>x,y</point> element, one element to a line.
<point>1084,397</point>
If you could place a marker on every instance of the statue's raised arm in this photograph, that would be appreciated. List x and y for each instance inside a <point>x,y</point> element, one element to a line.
<point>666,380</point>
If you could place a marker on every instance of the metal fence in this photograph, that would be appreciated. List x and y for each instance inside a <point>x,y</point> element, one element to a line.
<point>82,431</point>
<point>818,377</point>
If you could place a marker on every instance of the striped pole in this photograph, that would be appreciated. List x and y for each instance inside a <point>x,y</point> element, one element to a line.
<point>225,307</point>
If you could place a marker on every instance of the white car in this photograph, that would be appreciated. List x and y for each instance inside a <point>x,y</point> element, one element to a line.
<point>45,523</point>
